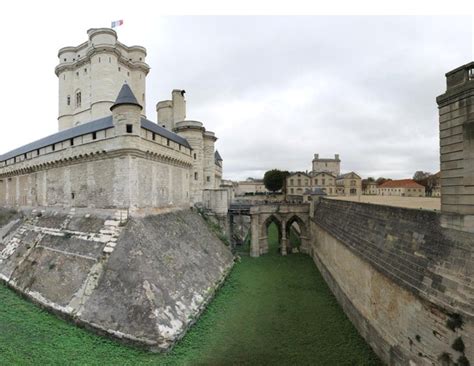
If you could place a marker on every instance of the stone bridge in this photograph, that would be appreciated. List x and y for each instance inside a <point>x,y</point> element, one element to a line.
<point>283,215</point>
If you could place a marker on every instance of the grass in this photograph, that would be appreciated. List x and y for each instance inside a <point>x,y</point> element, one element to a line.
<point>272,310</point>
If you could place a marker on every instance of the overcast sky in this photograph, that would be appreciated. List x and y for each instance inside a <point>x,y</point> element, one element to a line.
<point>275,90</point>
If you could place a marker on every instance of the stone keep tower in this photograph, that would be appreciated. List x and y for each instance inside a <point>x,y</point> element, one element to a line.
<point>91,75</point>
<point>456,125</point>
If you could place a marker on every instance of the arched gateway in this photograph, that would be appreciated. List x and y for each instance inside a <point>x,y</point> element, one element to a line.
<point>286,217</point>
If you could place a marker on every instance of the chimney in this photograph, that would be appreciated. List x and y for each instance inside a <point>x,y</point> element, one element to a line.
<point>316,156</point>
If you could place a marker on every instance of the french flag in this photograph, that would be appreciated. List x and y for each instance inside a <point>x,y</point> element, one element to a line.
<point>117,23</point>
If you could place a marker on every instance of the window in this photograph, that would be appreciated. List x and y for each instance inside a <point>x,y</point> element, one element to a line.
<point>292,191</point>
<point>37,152</point>
<point>64,60</point>
<point>71,142</point>
<point>208,178</point>
<point>99,60</point>
<point>25,156</point>
<point>129,128</point>
<point>128,73</point>
<point>119,69</point>
<point>77,73</point>
<point>110,60</point>
<point>153,136</point>
<point>167,142</point>
<point>68,99</point>
<point>195,175</point>
<point>78,99</point>
<point>195,156</point>
<point>85,70</point>
<point>53,146</point>
<point>299,182</point>
<point>316,181</point>
<point>291,182</point>
<point>94,135</point>
<point>143,97</point>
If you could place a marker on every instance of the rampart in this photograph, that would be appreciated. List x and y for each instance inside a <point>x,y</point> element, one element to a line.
<point>403,280</point>
<point>140,280</point>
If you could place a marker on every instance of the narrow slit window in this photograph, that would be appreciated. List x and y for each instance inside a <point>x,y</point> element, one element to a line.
<point>94,135</point>
<point>129,128</point>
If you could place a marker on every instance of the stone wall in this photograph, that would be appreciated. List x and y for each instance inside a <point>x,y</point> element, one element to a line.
<point>140,280</point>
<point>400,278</point>
<point>110,172</point>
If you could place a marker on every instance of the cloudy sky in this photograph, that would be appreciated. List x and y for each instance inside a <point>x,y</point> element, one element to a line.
<point>275,90</point>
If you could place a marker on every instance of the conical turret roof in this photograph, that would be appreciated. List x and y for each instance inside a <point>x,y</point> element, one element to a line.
<point>125,96</point>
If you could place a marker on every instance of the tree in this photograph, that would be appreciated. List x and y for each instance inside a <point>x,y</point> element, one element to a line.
<point>420,176</point>
<point>274,180</point>
<point>381,180</point>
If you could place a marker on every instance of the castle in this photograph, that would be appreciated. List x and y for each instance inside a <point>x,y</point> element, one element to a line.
<point>107,154</point>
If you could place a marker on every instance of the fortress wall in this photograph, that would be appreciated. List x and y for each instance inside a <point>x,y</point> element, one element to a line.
<point>102,181</point>
<point>110,172</point>
<point>141,280</point>
<point>399,277</point>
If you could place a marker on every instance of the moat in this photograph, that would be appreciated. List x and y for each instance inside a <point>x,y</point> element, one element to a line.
<point>271,310</point>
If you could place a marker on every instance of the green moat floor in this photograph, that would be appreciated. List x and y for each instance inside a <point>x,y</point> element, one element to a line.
<point>272,310</point>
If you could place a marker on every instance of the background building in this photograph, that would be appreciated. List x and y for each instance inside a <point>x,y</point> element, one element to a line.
<point>349,184</point>
<point>401,187</point>
<point>332,166</point>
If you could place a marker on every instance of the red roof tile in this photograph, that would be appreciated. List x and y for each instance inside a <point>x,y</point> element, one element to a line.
<point>401,183</point>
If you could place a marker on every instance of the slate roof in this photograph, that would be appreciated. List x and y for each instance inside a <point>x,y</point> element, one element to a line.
<point>217,156</point>
<point>347,175</point>
<point>315,192</point>
<point>86,128</point>
<point>125,96</point>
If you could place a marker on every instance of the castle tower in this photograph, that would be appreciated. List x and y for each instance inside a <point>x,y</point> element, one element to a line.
<point>126,113</point>
<point>332,166</point>
<point>171,111</point>
<point>456,125</point>
<point>193,132</point>
<point>90,76</point>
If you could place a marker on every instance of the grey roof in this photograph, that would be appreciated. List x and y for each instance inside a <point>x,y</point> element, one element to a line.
<point>125,96</point>
<point>86,128</point>
<point>217,156</point>
<point>315,192</point>
<point>346,175</point>
<point>153,127</point>
<point>97,125</point>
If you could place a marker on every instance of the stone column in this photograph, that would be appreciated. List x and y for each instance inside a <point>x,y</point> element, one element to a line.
<point>283,239</point>
<point>254,246</point>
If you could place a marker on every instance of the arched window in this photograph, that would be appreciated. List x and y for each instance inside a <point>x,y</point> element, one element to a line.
<point>78,99</point>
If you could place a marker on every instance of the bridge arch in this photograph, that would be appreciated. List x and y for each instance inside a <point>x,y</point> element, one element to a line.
<point>297,223</point>
<point>271,219</point>
<point>284,215</point>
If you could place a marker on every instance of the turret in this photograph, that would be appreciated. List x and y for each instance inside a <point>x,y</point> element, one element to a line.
<point>456,126</point>
<point>171,111</point>
<point>126,113</point>
<point>193,132</point>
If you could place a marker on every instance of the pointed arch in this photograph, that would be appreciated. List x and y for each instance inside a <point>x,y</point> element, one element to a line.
<point>301,228</point>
